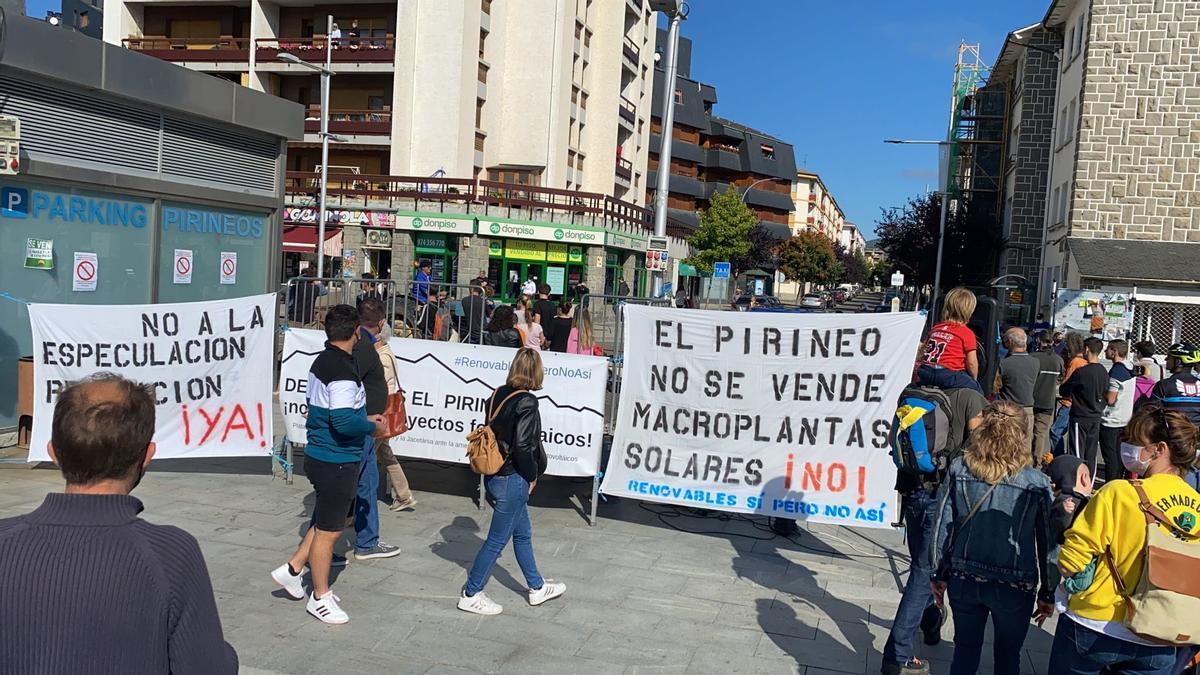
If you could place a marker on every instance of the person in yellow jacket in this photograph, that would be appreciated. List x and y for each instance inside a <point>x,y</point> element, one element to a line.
<point>1160,447</point>
<point>402,496</point>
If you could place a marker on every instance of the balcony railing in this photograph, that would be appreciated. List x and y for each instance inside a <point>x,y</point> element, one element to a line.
<point>191,49</point>
<point>627,110</point>
<point>631,52</point>
<point>347,189</point>
<point>345,49</point>
<point>350,121</point>
<point>624,167</point>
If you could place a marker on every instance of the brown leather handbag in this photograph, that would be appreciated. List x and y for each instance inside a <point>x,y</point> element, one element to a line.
<point>395,417</point>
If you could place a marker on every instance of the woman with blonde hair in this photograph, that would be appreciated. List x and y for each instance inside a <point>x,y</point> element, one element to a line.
<point>513,411</point>
<point>991,549</point>
<point>581,340</point>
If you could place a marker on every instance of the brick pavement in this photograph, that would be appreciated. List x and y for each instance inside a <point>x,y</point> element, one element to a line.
<point>641,597</point>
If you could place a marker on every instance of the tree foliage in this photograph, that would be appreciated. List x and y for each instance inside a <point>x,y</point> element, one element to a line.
<point>724,232</point>
<point>909,236</point>
<point>761,254</point>
<point>855,269</point>
<point>809,257</point>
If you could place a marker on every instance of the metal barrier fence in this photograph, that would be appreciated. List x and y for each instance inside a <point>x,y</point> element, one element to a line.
<point>307,299</point>
<point>432,310</point>
<point>1164,323</point>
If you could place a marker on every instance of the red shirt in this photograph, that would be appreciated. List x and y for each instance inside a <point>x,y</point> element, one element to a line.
<point>948,345</point>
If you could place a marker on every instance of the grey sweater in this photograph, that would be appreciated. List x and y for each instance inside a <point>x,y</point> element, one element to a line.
<point>87,586</point>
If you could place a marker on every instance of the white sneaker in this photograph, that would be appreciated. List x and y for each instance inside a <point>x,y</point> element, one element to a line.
<point>326,609</point>
<point>550,589</point>
<point>292,583</point>
<point>478,604</point>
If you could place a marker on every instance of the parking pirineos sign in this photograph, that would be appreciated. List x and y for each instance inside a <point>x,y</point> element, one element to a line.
<point>771,414</point>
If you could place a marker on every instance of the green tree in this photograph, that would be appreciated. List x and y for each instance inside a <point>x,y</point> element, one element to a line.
<point>808,257</point>
<point>909,235</point>
<point>724,232</point>
<point>854,265</point>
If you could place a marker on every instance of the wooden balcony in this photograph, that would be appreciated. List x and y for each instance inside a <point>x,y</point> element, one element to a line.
<point>226,49</point>
<point>350,122</point>
<point>624,168</point>
<point>627,111</point>
<point>345,50</point>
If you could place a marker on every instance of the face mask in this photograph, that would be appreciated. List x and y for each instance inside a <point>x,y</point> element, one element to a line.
<point>1131,457</point>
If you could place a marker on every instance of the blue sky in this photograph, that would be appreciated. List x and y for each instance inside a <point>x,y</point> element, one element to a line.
<point>836,78</point>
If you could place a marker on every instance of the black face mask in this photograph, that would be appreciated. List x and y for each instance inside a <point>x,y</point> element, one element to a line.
<point>141,470</point>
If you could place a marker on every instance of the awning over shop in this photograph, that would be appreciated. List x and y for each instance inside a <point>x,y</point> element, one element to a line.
<point>303,239</point>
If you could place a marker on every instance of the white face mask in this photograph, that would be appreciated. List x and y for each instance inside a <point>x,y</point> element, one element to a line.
<point>1131,457</point>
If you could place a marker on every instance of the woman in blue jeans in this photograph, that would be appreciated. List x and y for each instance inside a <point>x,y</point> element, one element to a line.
<point>513,411</point>
<point>991,550</point>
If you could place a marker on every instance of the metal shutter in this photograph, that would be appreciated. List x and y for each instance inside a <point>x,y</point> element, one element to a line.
<point>198,151</point>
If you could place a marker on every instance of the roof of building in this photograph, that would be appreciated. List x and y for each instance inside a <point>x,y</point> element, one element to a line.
<point>1136,260</point>
<point>748,130</point>
<point>1010,53</point>
<point>1057,12</point>
<point>47,51</point>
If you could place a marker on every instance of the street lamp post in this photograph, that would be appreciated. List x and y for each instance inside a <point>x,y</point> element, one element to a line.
<point>760,180</point>
<point>326,73</point>
<point>944,195</point>
<point>675,11</point>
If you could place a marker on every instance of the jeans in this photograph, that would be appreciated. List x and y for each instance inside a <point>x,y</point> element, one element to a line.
<point>366,506</point>
<point>1079,650</point>
<point>944,378</point>
<point>920,509</point>
<point>509,521</point>
<point>1058,430</point>
<point>1010,607</point>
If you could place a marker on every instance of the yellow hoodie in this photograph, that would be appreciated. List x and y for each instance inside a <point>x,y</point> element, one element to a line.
<point>1112,520</point>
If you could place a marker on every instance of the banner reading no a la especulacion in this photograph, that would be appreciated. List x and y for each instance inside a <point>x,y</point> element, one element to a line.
<point>446,387</point>
<point>767,413</point>
<point>210,364</point>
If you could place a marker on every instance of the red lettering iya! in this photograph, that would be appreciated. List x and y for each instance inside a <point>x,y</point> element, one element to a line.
<point>237,420</point>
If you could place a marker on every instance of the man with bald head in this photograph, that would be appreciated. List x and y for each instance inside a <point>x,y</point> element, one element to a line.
<point>1018,373</point>
<point>87,585</point>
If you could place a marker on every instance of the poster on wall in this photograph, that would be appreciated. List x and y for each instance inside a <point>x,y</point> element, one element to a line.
<point>773,414</point>
<point>228,267</point>
<point>1106,314</point>
<point>182,267</point>
<point>447,386</point>
<point>85,272</point>
<point>209,363</point>
<point>556,278</point>
<point>349,260</point>
<point>39,254</point>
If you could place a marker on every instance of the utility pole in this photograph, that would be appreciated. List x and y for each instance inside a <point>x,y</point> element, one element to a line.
<point>674,9</point>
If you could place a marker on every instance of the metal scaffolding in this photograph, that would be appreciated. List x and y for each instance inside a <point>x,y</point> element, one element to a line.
<point>979,117</point>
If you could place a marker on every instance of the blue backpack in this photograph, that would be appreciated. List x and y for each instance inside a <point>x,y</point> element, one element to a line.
<point>920,430</point>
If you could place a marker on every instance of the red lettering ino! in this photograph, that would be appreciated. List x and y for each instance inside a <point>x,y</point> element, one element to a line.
<point>835,476</point>
<point>208,423</point>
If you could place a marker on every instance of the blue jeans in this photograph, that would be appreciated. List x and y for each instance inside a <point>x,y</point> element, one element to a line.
<point>1079,650</point>
<point>366,506</point>
<point>1058,430</point>
<point>944,378</point>
<point>919,512</point>
<point>1010,608</point>
<point>510,521</point>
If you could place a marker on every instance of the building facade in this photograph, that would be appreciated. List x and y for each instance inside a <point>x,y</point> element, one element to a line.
<point>124,162</point>
<point>816,209</point>
<point>709,154</point>
<point>852,239</point>
<point>1124,199</point>
<point>454,88</point>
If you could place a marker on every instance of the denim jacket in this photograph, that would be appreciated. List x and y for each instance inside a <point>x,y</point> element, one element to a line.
<point>1007,539</point>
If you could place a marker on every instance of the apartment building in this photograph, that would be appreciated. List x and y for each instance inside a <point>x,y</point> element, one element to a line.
<point>852,239</point>
<point>1121,158</point>
<point>549,93</point>
<point>815,209</point>
<point>710,153</point>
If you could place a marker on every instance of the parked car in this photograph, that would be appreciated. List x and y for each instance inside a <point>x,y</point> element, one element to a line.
<point>812,301</point>
<point>841,295</point>
<point>742,302</point>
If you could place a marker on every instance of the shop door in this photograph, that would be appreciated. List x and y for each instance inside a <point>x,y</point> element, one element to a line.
<point>514,275</point>
<point>535,271</point>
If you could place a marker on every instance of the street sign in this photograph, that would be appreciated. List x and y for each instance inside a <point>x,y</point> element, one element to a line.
<point>897,278</point>
<point>721,270</point>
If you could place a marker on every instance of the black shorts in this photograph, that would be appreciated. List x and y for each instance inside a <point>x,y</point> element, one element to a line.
<point>336,486</point>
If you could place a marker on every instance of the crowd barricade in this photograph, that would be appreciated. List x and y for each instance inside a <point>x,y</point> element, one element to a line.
<point>432,310</point>
<point>307,299</point>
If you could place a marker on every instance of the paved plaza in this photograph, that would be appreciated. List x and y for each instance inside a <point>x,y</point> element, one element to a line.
<point>641,596</point>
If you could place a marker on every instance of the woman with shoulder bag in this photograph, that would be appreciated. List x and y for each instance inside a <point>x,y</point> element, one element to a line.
<point>991,550</point>
<point>1111,534</point>
<point>518,428</point>
<point>402,496</point>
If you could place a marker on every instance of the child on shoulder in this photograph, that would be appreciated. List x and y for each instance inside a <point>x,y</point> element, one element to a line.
<point>950,359</point>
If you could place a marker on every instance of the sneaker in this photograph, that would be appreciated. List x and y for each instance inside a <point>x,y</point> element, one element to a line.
<point>381,550</point>
<point>550,589</point>
<point>478,604</point>
<point>338,560</point>
<point>404,505</point>
<point>326,609</point>
<point>914,666</point>
<point>292,583</point>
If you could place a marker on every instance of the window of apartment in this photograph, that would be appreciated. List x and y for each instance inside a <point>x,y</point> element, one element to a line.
<point>1065,207</point>
<point>482,39</point>
<point>483,72</point>
<point>1055,198</point>
<point>1069,46</point>
<point>516,176</point>
<point>678,97</point>
<point>1077,48</point>
<point>578,30</point>
<point>485,6</point>
<point>478,113</point>
<point>583,101</point>
<point>768,151</point>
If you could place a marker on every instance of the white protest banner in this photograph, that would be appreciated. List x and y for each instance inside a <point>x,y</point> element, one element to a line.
<point>210,364</point>
<point>447,385</point>
<point>86,272</point>
<point>228,267</point>
<point>183,266</point>
<point>769,413</point>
